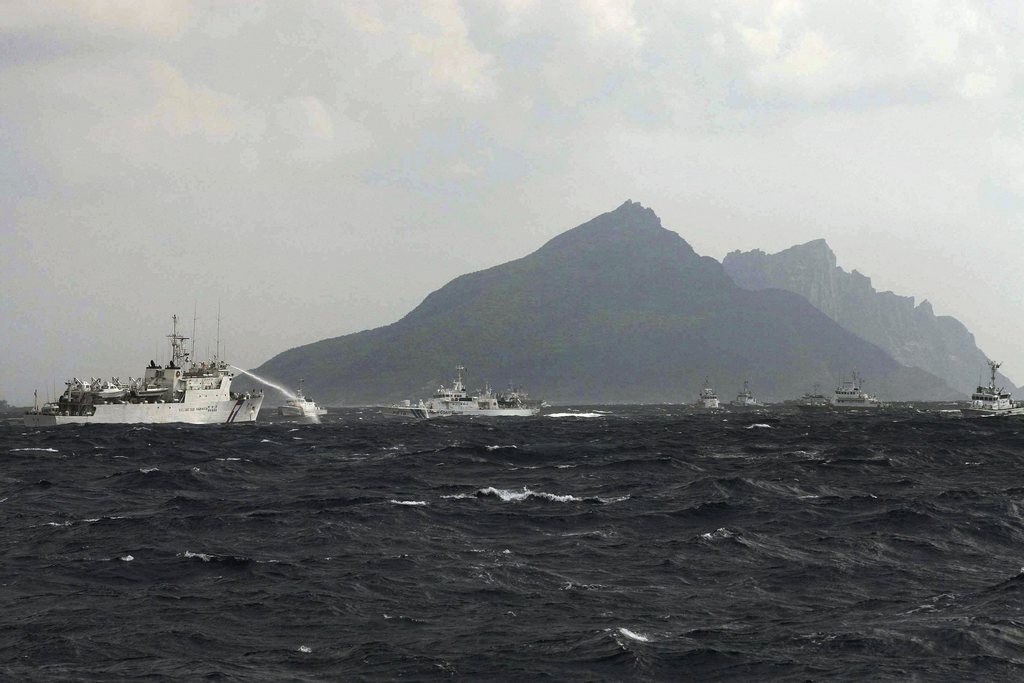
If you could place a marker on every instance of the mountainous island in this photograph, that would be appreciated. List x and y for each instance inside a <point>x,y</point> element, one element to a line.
<point>913,335</point>
<point>617,310</point>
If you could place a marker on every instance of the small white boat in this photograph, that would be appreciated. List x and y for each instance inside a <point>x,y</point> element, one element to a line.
<point>107,391</point>
<point>302,408</point>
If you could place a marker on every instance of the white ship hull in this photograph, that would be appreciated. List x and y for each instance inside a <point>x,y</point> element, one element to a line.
<point>292,411</point>
<point>200,411</point>
<point>856,405</point>
<point>304,415</point>
<point>425,412</point>
<point>990,412</point>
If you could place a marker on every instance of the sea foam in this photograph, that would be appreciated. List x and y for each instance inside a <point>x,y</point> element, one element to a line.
<point>639,637</point>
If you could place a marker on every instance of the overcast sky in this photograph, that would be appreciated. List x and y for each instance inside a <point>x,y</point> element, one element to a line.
<point>318,168</point>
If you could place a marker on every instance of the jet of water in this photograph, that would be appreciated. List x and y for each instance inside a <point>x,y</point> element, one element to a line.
<point>267,382</point>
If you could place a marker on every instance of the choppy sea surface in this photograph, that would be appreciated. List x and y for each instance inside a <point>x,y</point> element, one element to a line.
<point>597,544</point>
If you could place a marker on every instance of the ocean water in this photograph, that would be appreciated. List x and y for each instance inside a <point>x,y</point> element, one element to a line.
<point>598,544</point>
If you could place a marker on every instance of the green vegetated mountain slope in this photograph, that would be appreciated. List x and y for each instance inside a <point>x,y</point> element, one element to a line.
<point>616,310</point>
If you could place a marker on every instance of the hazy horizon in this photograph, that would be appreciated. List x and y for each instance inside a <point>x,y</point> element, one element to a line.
<point>317,170</point>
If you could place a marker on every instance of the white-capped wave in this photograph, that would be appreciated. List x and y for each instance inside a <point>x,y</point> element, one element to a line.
<point>43,450</point>
<point>517,495</point>
<point>408,502</point>
<point>147,470</point>
<point>494,448</point>
<point>188,554</point>
<point>639,637</point>
<point>718,533</point>
<point>508,495</point>
<point>616,499</point>
<point>127,558</point>
<point>760,425</point>
<point>305,649</point>
<point>577,414</point>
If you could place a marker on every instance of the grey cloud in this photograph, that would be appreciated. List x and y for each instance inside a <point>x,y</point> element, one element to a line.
<point>370,152</point>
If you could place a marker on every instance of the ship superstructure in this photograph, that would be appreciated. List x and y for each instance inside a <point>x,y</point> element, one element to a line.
<point>456,401</point>
<point>181,391</point>
<point>991,401</point>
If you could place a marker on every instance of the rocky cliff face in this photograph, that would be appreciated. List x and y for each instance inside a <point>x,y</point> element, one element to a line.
<point>616,310</point>
<point>912,334</point>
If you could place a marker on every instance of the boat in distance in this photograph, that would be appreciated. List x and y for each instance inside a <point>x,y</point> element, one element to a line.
<point>745,399</point>
<point>708,399</point>
<point>302,408</point>
<point>991,401</point>
<point>456,401</point>
<point>197,394</point>
<point>849,396</point>
<point>811,401</point>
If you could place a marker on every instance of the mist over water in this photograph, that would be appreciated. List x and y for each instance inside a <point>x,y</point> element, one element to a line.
<point>639,543</point>
<point>270,384</point>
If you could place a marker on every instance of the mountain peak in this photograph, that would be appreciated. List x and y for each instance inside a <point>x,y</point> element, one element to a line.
<point>815,249</point>
<point>631,224</point>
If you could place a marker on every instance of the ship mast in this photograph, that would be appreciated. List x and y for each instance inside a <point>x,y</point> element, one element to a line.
<point>194,318</point>
<point>994,365</point>
<point>177,347</point>
<point>216,358</point>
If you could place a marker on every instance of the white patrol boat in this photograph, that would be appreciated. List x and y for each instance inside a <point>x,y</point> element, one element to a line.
<point>708,399</point>
<point>745,399</point>
<point>990,401</point>
<point>456,401</point>
<point>305,409</point>
<point>198,394</point>
<point>849,396</point>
